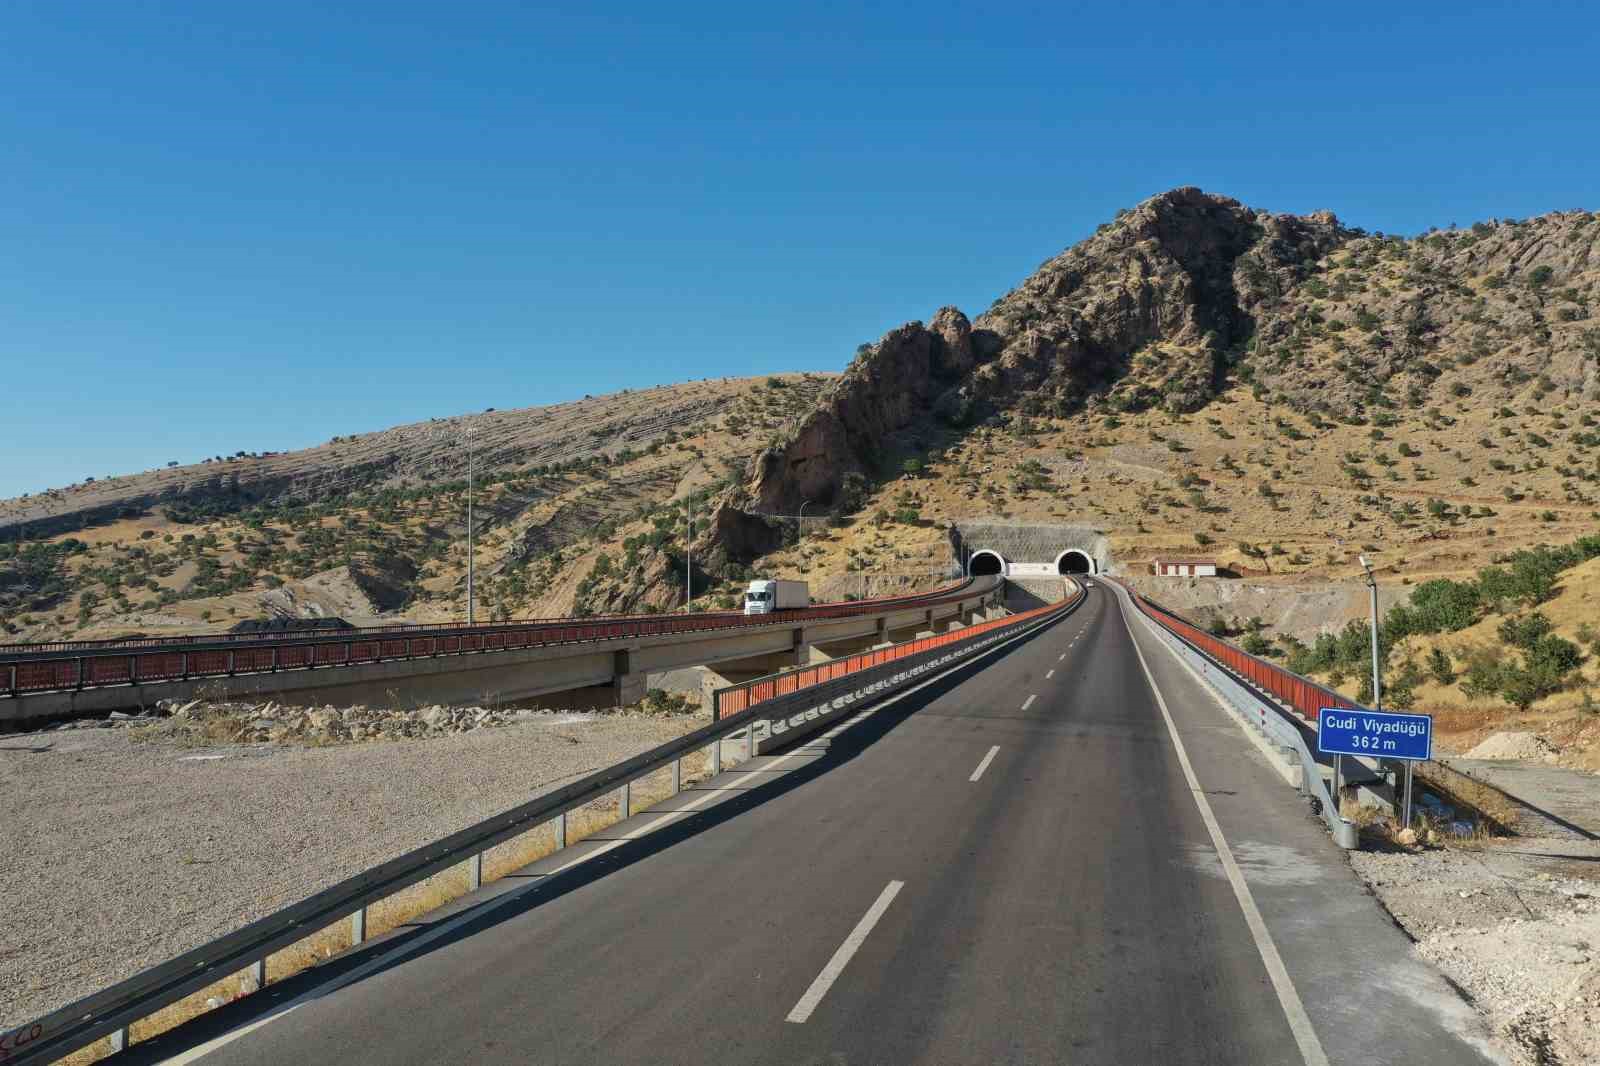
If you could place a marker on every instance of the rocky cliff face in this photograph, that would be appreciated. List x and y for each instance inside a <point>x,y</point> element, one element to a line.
<point>1188,290</point>
<point>1157,302</point>
<point>890,385</point>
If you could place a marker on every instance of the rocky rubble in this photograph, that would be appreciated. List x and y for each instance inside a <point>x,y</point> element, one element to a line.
<point>1516,924</point>
<point>271,722</point>
<point>239,722</point>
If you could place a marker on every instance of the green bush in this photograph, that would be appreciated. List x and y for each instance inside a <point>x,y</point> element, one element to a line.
<point>1256,644</point>
<point>1440,667</point>
<point>1526,631</point>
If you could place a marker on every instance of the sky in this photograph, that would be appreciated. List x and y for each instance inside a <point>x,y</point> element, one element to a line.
<point>255,226</point>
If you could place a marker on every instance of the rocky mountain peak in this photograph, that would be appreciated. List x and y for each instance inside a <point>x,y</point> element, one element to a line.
<point>1173,298</point>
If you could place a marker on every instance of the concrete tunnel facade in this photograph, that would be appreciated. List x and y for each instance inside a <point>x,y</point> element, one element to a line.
<point>1014,550</point>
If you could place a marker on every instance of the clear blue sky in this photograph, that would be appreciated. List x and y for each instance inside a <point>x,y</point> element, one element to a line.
<point>255,226</point>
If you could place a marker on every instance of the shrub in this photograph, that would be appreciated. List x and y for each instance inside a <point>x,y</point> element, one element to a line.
<point>1442,606</point>
<point>1525,632</point>
<point>1440,667</point>
<point>1481,678</point>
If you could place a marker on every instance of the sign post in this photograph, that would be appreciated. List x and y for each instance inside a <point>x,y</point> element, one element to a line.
<point>1379,734</point>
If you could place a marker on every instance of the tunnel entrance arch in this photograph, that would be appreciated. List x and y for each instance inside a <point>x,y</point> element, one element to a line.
<point>1073,561</point>
<point>984,562</point>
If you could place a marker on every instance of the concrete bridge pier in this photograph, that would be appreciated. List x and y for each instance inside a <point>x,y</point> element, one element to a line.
<point>627,686</point>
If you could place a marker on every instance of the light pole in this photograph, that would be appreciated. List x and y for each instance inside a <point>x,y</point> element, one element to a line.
<point>688,538</point>
<point>1377,677</point>
<point>470,551</point>
<point>1377,684</point>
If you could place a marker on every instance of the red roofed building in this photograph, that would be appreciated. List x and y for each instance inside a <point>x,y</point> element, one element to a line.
<point>1172,567</point>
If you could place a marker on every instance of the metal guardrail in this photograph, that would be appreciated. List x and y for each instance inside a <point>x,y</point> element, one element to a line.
<point>99,667</point>
<point>736,698</point>
<point>1301,693</point>
<point>112,1010</point>
<point>1267,720</point>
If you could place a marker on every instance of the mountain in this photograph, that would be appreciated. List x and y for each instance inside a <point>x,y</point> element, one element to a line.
<point>1188,291</point>
<point>1278,391</point>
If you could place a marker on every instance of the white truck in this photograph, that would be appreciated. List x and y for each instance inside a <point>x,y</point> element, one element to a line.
<point>764,596</point>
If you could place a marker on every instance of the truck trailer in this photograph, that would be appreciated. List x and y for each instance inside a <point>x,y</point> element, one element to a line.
<point>765,596</point>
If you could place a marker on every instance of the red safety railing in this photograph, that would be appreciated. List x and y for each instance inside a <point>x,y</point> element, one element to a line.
<point>736,698</point>
<point>81,647</point>
<point>1305,696</point>
<point>27,669</point>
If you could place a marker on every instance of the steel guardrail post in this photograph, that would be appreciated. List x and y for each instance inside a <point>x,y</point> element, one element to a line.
<point>358,926</point>
<point>256,974</point>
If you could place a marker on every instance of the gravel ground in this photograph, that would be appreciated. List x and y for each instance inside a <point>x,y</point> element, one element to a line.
<point>121,853</point>
<point>1516,923</point>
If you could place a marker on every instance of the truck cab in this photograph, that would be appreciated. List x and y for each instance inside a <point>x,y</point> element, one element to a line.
<point>765,596</point>
<point>760,598</point>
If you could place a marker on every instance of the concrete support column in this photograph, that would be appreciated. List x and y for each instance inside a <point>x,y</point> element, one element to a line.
<point>802,649</point>
<point>627,687</point>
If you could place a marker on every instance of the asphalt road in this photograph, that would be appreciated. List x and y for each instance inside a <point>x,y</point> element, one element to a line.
<point>1007,865</point>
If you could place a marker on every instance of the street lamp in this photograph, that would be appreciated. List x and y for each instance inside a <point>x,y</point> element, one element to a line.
<point>449,434</point>
<point>470,553</point>
<point>688,539</point>
<point>1377,683</point>
<point>1377,677</point>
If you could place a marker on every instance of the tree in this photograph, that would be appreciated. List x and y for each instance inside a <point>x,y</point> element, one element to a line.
<point>912,467</point>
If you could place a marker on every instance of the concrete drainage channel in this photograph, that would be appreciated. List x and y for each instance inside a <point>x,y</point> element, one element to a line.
<point>243,953</point>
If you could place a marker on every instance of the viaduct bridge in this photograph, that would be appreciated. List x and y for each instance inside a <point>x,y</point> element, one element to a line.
<point>609,661</point>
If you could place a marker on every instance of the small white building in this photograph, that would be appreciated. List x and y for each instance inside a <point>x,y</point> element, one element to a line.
<point>1184,567</point>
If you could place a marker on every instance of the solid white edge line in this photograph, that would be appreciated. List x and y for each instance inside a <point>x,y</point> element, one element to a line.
<point>1029,701</point>
<point>841,958</point>
<point>984,765</point>
<point>1305,1035</point>
<point>448,925</point>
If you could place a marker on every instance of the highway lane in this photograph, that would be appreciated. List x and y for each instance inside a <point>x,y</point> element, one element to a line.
<point>1055,907</point>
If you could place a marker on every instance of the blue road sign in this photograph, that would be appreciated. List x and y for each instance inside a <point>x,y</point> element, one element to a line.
<point>1341,731</point>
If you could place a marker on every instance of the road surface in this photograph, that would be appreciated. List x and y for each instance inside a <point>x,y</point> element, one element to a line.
<point>1006,865</point>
